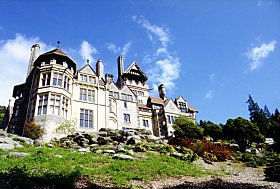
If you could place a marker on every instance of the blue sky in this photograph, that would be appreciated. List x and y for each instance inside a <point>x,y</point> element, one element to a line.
<point>212,52</point>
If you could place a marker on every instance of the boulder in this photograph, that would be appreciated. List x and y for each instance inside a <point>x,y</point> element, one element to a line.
<point>4,146</point>
<point>84,150</point>
<point>26,140</point>
<point>133,140</point>
<point>122,157</point>
<point>103,140</point>
<point>102,133</point>
<point>109,152</point>
<point>17,154</point>
<point>152,138</point>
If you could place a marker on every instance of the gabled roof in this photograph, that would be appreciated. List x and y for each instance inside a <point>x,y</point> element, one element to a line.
<point>176,99</point>
<point>85,66</point>
<point>192,109</point>
<point>138,69</point>
<point>155,100</point>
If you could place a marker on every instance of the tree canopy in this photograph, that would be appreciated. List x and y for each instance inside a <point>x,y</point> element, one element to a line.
<point>243,131</point>
<point>185,127</point>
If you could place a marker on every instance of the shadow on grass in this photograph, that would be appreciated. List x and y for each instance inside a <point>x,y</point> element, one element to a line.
<point>217,184</point>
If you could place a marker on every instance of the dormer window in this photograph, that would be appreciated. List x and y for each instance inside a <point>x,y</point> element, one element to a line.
<point>182,107</point>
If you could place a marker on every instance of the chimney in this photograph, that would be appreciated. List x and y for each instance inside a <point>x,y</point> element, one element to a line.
<point>100,68</point>
<point>33,56</point>
<point>161,91</point>
<point>120,66</point>
<point>109,78</point>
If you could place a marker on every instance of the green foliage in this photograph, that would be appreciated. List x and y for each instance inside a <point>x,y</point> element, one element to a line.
<point>185,127</point>
<point>33,130</point>
<point>243,132</point>
<point>51,168</point>
<point>252,160</point>
<point>259,116</point>
<point>213,130</point>
<point>1,117</point>
<point>67,127</point>
<point>141,147</point>
<point>272,171</point>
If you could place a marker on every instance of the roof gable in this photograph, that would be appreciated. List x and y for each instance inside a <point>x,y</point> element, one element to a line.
<point>112,86</point>
<point>170,105</point>
<point>135,70</point>
<point>87,69</point>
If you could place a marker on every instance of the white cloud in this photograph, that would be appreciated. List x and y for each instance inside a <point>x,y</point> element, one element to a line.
<point>87,51</point>
<point>209,95</point>
<point>122,50</point>
<point>14,60</point>
<point>164,65</point>
<point>161,33</point>
<point>257,54</point>
<point>112,47</point>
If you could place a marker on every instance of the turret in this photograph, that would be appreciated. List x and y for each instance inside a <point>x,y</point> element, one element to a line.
<point>161,91</point>
<point>100,68</point>
<point>33,56</point>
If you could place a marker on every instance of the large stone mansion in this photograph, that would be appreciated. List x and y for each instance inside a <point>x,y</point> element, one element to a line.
<point>55,91</point>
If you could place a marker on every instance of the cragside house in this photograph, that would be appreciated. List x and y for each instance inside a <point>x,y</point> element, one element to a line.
<point>55,91</point>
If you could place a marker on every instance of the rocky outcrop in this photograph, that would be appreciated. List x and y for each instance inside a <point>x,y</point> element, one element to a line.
<point>10,141</point>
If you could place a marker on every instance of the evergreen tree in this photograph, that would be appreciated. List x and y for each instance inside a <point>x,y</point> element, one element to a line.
<point>266,112</point>
<point>259,116</point>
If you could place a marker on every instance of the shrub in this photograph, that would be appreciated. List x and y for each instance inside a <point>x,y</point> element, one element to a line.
<point>33,130</point>
<point>272,171</point>
<point>141,147</point>
<point>67,127</point>
<point>199,147</point>
<point>252,160</point>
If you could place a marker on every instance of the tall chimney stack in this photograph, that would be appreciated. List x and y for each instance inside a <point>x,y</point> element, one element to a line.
<point>120,66</point>
<point>100,68</point>
<point>33,56</point>
<point>161,91</point>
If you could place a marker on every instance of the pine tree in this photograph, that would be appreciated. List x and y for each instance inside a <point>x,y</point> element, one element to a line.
<point>259,116</point>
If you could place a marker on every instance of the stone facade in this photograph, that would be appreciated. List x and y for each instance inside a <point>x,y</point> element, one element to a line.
<point>55,91</point>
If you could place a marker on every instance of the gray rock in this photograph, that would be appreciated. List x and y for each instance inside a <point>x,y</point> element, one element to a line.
<point>4,146</point>
<point>122,156</point>
<point>38,142</point>
<point>121,150</point>
<point>104,140</point>
<point>133,140</point>
<point>3,133</point>
<point>26,140</point>
<point>84,150</point>
<point>152,138</point>
<point>130,152</point>
<point>102,133</point>
<point>177,155</point>
<point>109,151</point>
<point>17,154</point>
<point>146,132</point>
<point>93,145</point>
<point>98,151</point>
<point>50,145</point>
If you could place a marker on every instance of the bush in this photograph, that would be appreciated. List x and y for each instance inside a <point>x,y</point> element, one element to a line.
<point>272,171</point>
<point>252,160</point>
<point>33,130</point>
<point>200,147</point>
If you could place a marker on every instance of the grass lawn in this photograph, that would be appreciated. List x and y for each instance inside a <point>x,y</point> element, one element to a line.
<point>62,168</point>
